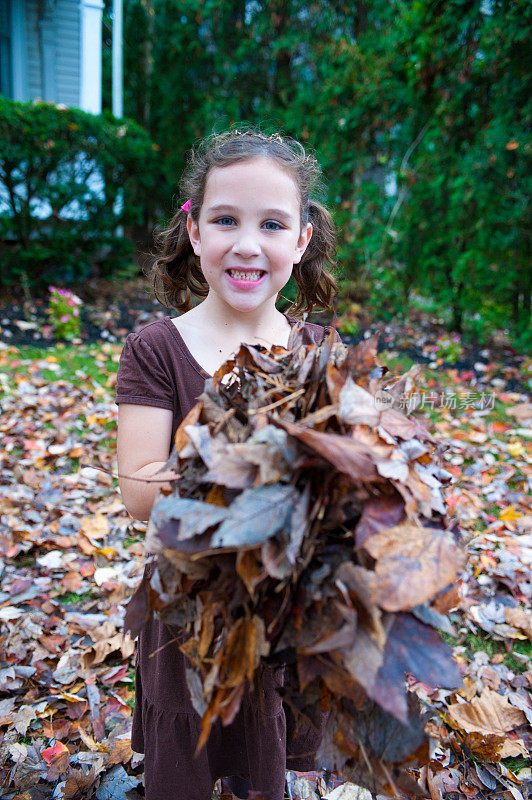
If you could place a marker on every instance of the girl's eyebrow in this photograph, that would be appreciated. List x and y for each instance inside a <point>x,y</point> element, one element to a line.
<point>274,212</point>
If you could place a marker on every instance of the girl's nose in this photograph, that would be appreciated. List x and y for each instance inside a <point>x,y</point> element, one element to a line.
<point>246,244</point>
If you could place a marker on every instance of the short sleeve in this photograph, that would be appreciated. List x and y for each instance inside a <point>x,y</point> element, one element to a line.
<point>142,378</point>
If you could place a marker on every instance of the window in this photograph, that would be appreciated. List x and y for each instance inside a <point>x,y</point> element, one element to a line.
<point>6,69</point>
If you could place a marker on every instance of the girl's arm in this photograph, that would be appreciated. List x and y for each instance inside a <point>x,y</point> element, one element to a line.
<point>143,444</point>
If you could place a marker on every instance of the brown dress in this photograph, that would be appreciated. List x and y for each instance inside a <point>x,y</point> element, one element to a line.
<point>157,369</point>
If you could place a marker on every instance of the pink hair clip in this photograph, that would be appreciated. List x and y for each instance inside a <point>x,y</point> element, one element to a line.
<point>186,206</point>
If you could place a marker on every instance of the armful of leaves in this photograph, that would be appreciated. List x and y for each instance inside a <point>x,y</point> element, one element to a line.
<point>308,528</point>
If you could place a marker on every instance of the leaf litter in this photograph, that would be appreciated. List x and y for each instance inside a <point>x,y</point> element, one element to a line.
<point>64,723</point>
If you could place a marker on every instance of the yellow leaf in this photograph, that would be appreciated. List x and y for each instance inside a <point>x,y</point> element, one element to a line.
<point>52,360</point>
<point>87,739</point>
<point>72,698</point>
<point>516,449</point>
<point>96,419</point>
<point>108,552</point>
<point>509,514</point>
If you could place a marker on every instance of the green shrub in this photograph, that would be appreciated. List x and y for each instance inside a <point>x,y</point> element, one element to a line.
<point>68,180</point>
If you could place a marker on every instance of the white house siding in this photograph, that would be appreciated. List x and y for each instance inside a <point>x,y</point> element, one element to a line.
<point>62,22</point>
<point>67,14</point>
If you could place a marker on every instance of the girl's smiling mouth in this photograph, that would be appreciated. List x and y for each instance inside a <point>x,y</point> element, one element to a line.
<point>245,277</point>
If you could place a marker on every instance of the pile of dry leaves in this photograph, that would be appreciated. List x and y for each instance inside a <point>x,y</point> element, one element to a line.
<point>306,527</point>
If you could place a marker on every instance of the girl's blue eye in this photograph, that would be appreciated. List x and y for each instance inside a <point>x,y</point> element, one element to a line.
<point>224,221</point>
<point>274,225</point>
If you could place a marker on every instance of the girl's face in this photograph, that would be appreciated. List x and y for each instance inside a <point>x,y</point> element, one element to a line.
<point>248,236</point>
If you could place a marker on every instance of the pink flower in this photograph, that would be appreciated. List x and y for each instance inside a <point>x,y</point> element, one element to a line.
<point>65,318</point>
<point>76,312</point>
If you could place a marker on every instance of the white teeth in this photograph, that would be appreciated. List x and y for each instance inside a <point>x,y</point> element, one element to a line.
<point>245,276</point>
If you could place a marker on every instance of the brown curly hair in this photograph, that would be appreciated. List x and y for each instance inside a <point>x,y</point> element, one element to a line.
<point>176,273</point>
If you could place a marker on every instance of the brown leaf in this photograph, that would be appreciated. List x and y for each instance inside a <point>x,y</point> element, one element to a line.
<point>78,781</point>
<point>413,563</point>
<point>490,747</point>
<point>357,406</point>
<point>121,751</point>
<point>254,355</point>
<point>514,747</point>
<point>363,661</point>
<point>181,436</point>
<point>491,713</point>
<point>404,386</point>
<point>121,643</point>
<point>383,511</point>
<point>71,582</point>
<point>96,527</point>
<point>243,648</point>
<point>22,719</point>
<point>335,380</point>
<point>249,570</point>
<point>520,618</point>
<point>447,600</point>
<point>348,456</point>
<point>275,559</point>
<point>233,469</point>
<point>362,587</point>
<point>361,359</point>
<point>396,424</point>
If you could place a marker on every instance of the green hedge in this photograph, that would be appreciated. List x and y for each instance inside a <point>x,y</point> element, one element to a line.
<point>68,180</point>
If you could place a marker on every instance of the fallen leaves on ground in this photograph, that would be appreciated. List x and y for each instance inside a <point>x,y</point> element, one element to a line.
<point>51,427</point>
<point>70,558</point>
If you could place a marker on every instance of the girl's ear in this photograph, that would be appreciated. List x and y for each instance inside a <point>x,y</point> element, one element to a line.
<point>193,235</point>
<point>302,243</point>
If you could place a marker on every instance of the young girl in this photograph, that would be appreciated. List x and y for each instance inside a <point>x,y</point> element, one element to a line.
<point>248,225</point>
